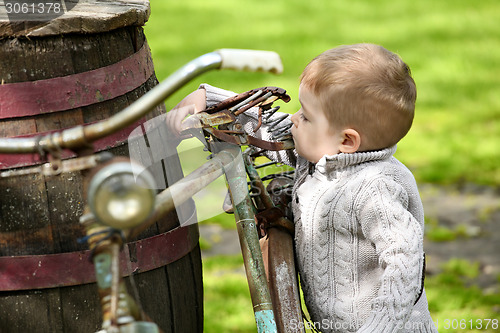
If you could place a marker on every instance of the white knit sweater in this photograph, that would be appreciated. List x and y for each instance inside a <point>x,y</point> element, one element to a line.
<point>359,225</point>
<point>359,244</point>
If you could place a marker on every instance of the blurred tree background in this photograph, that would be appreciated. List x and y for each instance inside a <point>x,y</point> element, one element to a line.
<point>451,46</point>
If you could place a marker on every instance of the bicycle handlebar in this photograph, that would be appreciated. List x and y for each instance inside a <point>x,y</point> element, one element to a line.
<point>251,60</point>
<point>80,136</point>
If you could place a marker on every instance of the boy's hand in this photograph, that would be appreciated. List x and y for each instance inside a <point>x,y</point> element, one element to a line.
<point>190,105</point>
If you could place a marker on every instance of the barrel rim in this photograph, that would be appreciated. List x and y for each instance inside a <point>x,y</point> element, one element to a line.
<point>86,17</point>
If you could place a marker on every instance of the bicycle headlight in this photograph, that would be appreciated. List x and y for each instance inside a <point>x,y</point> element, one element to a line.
<point>121,197</point>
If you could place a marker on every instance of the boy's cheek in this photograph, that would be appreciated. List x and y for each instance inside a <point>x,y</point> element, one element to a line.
<point>294,137</point>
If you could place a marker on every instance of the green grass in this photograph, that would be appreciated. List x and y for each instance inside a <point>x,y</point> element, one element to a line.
<point>439,233</point>
<point>453,48</point>
<point>228,307</point>
<point>451,296</point>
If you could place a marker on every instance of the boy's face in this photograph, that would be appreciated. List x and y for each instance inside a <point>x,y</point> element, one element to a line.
<point>313,135</point>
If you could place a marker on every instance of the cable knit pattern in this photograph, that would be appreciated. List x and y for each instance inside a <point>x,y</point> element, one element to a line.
<point>359,239</point>
<point>359,243</point>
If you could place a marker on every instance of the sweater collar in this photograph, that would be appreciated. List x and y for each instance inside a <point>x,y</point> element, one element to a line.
<point>332,163</point>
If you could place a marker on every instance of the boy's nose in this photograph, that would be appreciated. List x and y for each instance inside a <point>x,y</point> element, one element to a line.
<point>294,120</point>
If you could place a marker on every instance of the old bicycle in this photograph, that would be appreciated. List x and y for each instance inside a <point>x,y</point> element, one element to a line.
<point>112,182</point>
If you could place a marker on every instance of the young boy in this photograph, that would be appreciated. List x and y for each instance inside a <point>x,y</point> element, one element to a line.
<point>358,216</point>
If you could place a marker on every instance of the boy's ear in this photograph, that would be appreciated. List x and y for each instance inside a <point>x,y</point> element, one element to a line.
<point>351,141</point>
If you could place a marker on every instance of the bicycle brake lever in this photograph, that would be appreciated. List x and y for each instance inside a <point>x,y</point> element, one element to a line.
<point>198,124</point>
<point>203,120</point>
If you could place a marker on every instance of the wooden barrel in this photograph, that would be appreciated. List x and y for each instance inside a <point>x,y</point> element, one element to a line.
<point>77,69</point>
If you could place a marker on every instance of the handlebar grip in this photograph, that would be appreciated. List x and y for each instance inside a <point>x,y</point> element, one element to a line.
<point>251,60</point>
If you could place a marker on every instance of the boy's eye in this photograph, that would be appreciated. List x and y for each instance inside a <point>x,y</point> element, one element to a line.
<point>303,117</point>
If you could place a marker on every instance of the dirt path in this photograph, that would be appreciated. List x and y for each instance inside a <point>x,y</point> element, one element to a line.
<point>469,218</point>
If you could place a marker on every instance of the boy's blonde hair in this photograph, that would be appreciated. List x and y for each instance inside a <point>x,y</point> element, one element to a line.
<point>364,87</point>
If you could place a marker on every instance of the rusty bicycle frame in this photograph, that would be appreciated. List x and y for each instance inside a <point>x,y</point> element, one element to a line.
<point>120,312</point>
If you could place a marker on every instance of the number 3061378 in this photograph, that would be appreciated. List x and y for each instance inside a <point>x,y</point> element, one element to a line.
<point>33,8</point>
<point>477,324</point>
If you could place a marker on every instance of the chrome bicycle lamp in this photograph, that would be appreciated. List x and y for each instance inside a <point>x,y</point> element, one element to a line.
<point>120,196</point>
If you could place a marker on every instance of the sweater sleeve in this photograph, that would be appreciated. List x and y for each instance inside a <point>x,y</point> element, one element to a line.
<point>398,239</point>
<point>249,119</point>
<point>215,95</point>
